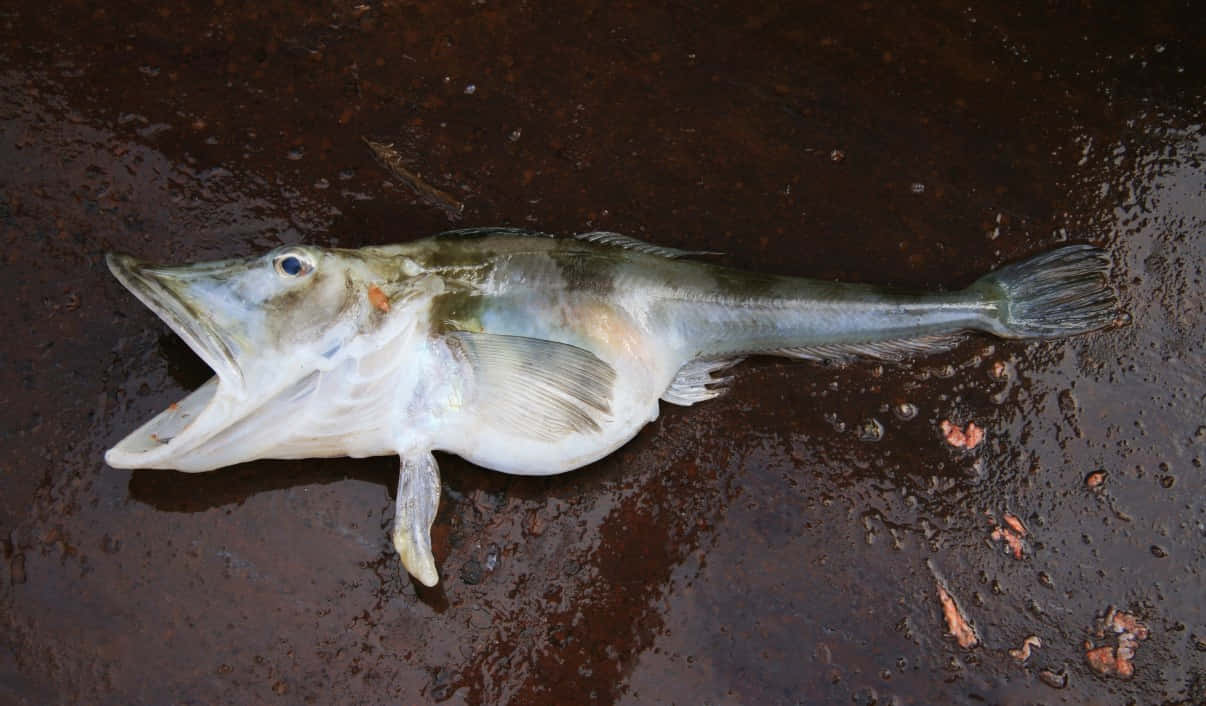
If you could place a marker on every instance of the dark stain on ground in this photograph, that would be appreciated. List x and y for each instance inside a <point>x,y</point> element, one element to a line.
<point>753,549</point>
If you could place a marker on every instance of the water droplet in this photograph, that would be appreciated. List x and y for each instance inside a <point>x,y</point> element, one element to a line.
<point>905,410</point>
<point>1055,680</point>
<point>470,89</point>
<point>471,572</point>
<point>866,696</point>
<point>870,430</point>
<point>16,568</point>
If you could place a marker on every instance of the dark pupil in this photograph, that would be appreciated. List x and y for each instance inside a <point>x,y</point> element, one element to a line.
<point>291,265</point>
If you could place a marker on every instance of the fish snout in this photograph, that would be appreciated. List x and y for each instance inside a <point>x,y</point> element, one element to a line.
<point>122,264</point>
<point>193,303</point>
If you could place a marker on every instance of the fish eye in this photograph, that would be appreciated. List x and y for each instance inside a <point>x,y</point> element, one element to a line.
<point>292,265</point>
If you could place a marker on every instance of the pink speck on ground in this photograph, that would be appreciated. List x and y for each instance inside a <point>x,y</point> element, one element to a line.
<point>1015,524</point>
<point>956,624</point>
<point>960,438</point>
<point>1117,660</point>
<point>1014,541</point>
<point>1023,653</point>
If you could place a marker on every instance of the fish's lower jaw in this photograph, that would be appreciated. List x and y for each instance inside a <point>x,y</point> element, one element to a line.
<point>415,561</point>
<point>128,455</point>
<point>117,459</point>
<point>167,459</point>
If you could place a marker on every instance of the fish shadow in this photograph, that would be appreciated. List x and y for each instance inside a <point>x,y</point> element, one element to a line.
<point>174,491</point>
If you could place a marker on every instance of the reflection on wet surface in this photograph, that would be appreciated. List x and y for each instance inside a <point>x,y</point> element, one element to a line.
<point>780,545</point>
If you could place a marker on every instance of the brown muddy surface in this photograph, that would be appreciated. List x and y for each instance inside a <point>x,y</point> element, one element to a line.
<point>755,549</point>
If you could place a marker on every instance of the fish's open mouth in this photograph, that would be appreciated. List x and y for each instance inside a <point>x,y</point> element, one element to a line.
<point>166,292</point>
<point>157,434</point>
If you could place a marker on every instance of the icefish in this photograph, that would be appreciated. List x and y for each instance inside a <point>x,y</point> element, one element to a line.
<point>522,352</point>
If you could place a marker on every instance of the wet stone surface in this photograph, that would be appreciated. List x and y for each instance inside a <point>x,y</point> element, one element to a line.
<point>754,549</point>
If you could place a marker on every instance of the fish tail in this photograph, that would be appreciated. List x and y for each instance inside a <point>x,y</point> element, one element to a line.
<point>1059,293</point>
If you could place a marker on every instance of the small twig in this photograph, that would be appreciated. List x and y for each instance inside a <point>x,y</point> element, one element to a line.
<point>428,193</point>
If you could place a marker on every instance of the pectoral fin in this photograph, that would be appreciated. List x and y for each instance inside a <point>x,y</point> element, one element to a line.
<point>536,388</point>
<point>415,510</point>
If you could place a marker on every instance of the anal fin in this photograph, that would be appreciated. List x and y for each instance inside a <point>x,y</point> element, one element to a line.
<point>896,349</point>
<point>695,382</point>
<point>414,511</point>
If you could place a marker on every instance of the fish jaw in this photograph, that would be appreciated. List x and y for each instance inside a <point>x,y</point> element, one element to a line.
<point>185,299</point>
<point>165,440</point>
<point>275,328</point>
<point>169,292</point>
<point>199,303</point>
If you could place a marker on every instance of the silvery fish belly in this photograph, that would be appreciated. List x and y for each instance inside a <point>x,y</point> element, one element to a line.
<point>522,352</point>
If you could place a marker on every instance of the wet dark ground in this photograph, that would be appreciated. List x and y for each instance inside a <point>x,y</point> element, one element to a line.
<point>750,550</point>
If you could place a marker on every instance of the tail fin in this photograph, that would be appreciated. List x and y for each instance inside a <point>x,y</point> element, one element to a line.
<point>1060,293</point>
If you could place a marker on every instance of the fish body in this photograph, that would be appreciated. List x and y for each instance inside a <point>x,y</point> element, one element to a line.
<point>522,352</point>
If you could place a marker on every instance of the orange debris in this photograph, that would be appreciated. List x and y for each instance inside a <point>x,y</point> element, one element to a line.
<point>960,438</point>
<point>378,299</point>
<point>956,624</point>
<point>1128,624</point>
<point>1117,660</point>
<point>1023,653</point>
<point>1015,524</point>
<point>1014,541</point>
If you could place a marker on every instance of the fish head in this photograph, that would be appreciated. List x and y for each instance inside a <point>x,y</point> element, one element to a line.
<point>267,326</point>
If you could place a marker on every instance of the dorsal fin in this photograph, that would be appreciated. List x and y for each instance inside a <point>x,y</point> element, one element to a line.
<point>598,237</point>
<point>602,237</point>
<point>487,231</point>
